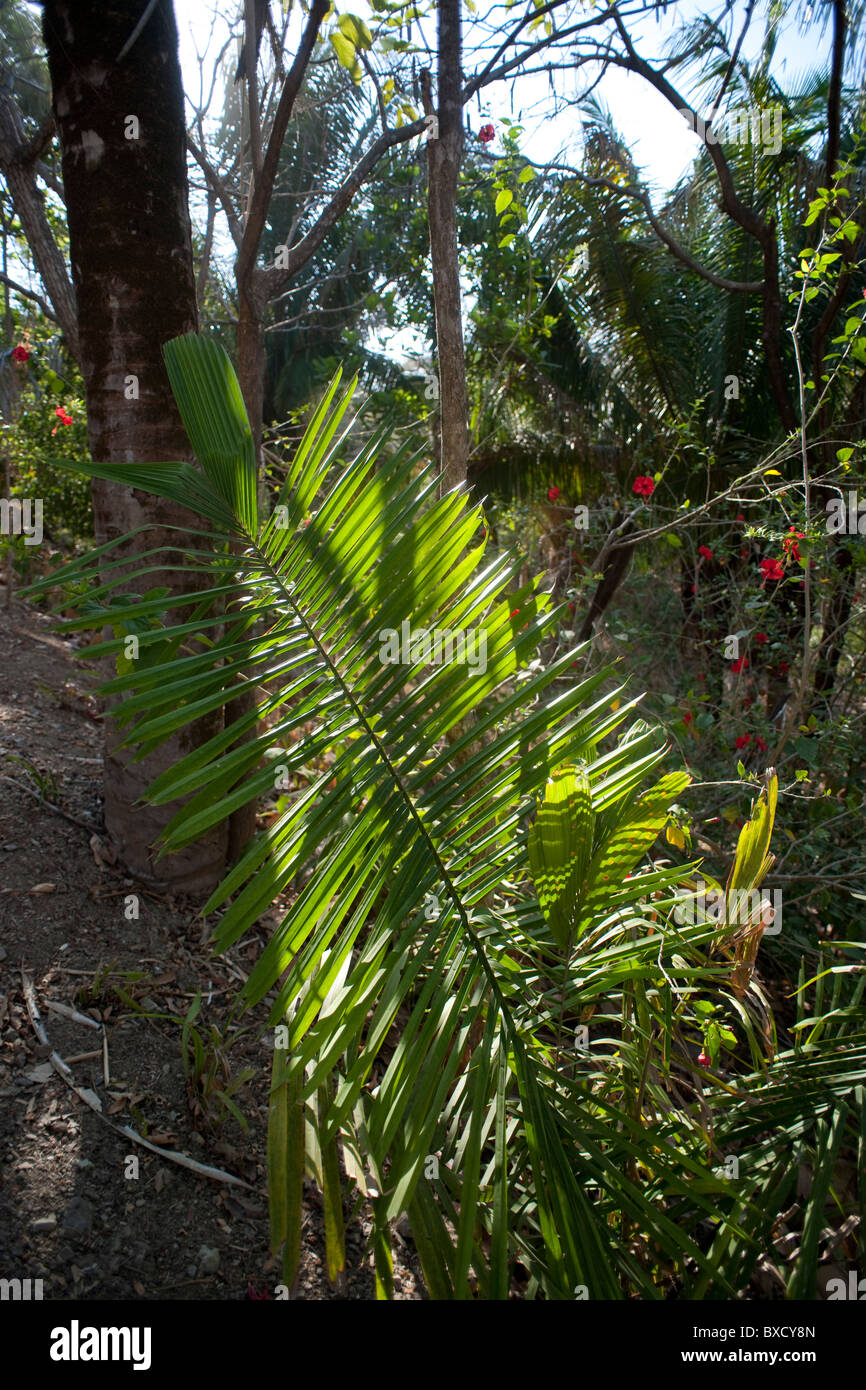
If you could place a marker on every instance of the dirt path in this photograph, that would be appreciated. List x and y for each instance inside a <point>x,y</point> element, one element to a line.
<point>74,1210</point>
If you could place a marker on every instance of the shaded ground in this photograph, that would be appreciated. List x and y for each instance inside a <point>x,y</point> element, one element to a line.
<point>72,1210</point>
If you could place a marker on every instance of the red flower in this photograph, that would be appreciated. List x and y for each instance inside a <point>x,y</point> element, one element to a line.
<point>552,493</point>
<point>759,743</point>
<point>63,416</point>
<point>744,553</point>
<point>761,637</point>
<point>784,668</point>
<point>20,353</point>
<point>771,569</point>
<point>515,613</point>
<point>743,741</point>
<point>644,486</point>
<point>486,134</point>
<point>687,718</point>
<point>702,675</point>
<point>703,1059</point>
<point>789,543</point>
<point>740,665</point>
<point>740,517</point>
<point>705,551</point>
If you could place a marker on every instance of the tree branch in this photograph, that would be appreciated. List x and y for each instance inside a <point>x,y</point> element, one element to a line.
<point>220,189</point>
<point>273,279</point>
<point>737,286</point>
<point>30,294</point>
<point>763,232</point>
<point>27,200</point>
<point>264,187</point>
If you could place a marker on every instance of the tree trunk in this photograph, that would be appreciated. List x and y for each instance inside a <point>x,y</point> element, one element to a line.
<point>118,102</point>
<point>443,168</point>
<point>29,205</point>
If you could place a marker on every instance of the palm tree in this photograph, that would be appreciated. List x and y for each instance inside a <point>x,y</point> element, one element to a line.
<point>473,889</point>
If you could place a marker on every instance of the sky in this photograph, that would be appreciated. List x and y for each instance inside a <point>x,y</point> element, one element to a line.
<point>660,140</point>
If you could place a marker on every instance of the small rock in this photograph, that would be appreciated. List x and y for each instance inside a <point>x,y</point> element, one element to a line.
<point>149,1005</point>
<point>78,1217</point>
<point>44,1223</point>
<point>84,1163</point>
<point>208,1260</point>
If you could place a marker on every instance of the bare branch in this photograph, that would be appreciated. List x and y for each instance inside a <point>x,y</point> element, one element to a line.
<point>29,294</point>
<point>261,198</point>
<point>273,279</point>
<point>220,189</point>
<point>681,254</point>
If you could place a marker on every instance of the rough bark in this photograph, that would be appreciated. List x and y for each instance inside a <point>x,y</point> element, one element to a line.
<point>132,266</point>
<point>443,168</point>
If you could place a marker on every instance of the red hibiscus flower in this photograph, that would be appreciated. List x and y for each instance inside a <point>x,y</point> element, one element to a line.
<point>20,353</point>
<point>740,517</point>
<point>63,416</point>
<point>761,637</point>
<point>705,552</point>
<point>760,743</point>
<point>740,665</point>
<point>784,668</point>
<point>552,493</point>
<point>771,569</point>
<point>643,486</point>
<point>743,741</point>
<point>687,718</point>
<point>486,134</point>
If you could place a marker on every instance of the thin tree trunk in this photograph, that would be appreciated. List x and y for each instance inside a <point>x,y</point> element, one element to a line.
<point>443,168</point>
<point>118,102</point>
<point>18,170</point>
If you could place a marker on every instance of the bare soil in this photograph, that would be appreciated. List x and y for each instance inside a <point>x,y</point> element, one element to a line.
<point>76,1210</point>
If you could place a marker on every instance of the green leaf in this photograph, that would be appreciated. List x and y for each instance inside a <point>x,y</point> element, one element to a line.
<point>356,31</point>
<point>504,199</point>
<point>346,54</point>
<point>560,846</point>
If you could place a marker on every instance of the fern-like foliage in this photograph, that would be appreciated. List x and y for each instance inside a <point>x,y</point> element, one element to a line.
<point>425,1001</point>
